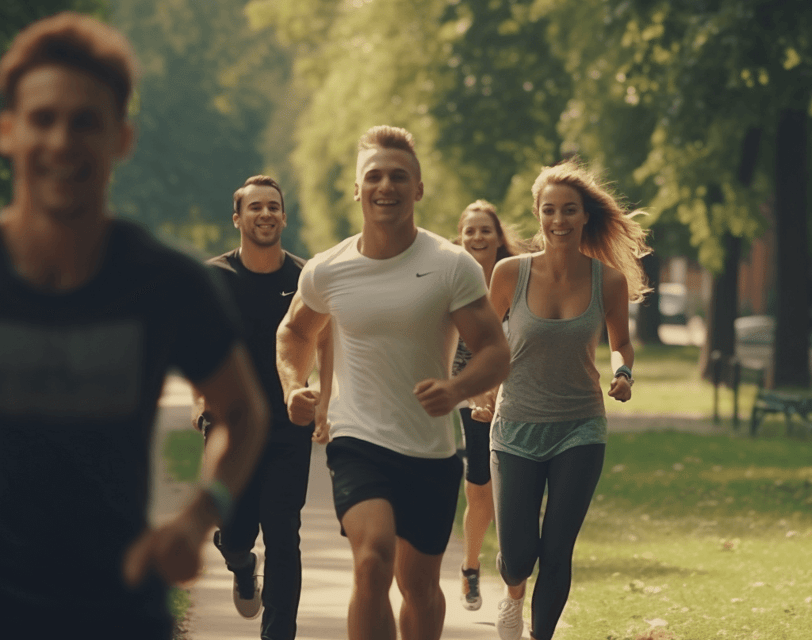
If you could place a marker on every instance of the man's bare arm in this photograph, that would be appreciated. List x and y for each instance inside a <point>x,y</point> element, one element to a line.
<point>296,341</point>
<point>482,332</point>
<point>324,361</point>
<point>236,402</point>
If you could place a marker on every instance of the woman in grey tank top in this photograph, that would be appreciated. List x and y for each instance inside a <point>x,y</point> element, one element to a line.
<point>549,425</point>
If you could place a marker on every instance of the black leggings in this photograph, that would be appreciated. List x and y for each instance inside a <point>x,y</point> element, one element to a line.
<point>518,489</point>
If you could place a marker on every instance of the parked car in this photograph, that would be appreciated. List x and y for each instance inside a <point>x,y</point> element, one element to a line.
<point>754,329</point>
<point>673,304</point>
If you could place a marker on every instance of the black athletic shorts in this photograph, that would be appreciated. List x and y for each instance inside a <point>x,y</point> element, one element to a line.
<point>477,448</point>
<point>422,491</point>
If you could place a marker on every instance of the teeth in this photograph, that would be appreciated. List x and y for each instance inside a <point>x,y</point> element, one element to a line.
<point>561,233</point>
<point>385,202</point>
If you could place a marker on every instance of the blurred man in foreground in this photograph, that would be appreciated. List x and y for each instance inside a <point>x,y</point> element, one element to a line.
<point>94,312</point>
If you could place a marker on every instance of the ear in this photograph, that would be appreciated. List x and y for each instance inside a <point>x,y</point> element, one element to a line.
<point>126,142</point>
<point>419,194</point>
<point>357,195</point>
<point>6,118</point>
<point>236,219</point>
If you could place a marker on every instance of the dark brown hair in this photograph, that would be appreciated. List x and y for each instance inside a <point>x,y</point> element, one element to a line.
<point>264,181</point>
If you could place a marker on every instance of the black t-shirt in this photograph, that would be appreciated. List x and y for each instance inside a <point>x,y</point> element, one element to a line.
<point>262,300</point>
<point>81,374</point>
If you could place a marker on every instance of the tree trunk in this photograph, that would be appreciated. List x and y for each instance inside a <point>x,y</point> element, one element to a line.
<point>648,312</point>
<point>791,353</point>
<point>724,307</point>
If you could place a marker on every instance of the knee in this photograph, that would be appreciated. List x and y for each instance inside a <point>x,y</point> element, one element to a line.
<point>479,496</point>
<point>374,566</point>
<point>513,569</point>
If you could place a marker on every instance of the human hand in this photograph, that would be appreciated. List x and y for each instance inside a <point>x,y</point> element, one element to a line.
<point>302,405</point>
<point>482,406</point>
<point>321,433</point>
<point>620,389</point>
<point>436,396</point>
<point>174,550</point>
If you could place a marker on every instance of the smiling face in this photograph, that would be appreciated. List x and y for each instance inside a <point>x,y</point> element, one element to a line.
<point>63,136</point>
<point>480,238</point>
<point>562,215</point>
<point>261,217</point>
<point>387,186</point>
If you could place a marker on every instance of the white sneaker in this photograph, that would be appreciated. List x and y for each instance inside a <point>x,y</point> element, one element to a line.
<point>246,592</point>
<point>509,623</point>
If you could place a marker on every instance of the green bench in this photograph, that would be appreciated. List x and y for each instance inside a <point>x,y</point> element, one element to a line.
<point>796,407</point>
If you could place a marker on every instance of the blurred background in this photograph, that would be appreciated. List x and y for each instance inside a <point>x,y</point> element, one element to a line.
<point>697,111</point>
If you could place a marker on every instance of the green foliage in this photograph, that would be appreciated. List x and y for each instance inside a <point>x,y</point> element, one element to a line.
<point>215,107</point>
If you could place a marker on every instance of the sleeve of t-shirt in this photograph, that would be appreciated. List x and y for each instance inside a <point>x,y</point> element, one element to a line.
<point>308,290</point>
<point>468,283</point>
<point>208,325</point>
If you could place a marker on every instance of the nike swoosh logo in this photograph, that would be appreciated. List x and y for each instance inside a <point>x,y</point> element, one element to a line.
<point>420,275</point>
<point>284,294</point>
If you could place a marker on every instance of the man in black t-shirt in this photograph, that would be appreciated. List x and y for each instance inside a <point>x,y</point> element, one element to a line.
<point>263,277</point>
<point>94,313</point>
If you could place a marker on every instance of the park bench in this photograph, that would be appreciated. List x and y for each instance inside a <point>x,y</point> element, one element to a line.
<point>796,406</point>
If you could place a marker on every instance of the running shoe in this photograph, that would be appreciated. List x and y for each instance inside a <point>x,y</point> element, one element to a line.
<point>509,622</point>
<point>246,591</point>
<point>471,597</point>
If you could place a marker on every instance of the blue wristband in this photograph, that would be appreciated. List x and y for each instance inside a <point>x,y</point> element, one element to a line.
<point>623,370</point>
<point>221,498</point>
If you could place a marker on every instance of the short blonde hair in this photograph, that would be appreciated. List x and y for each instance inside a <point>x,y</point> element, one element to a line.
<point>388,137</point>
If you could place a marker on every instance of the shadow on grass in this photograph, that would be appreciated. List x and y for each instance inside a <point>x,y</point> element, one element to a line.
<point>634,569</point>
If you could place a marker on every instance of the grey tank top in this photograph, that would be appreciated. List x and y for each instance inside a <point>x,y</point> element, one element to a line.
<point>553,377</point>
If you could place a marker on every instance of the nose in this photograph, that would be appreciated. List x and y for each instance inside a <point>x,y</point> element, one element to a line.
<point>59,136</point>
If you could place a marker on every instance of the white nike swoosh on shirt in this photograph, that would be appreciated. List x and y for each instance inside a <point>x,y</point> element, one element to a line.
<point>287,293</point>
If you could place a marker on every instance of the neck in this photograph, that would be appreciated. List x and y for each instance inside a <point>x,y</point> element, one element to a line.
<point>262,259</point>
<point>563,261</point>
<point>381,242</point>
<point>52,254</point>
<point>488,269</point>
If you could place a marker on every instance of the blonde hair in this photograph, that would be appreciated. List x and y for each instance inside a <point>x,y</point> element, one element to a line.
<point>610,235</point>
<point>385,136</point>
<point>512,244</point>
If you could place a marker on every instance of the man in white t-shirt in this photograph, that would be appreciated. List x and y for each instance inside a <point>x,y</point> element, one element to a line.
<point>397,295</point>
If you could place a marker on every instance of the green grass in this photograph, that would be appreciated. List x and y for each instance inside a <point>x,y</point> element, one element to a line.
<point>709,535</point>
<point>183,454</point>
<point>179,603</point>
<point>667,381</point>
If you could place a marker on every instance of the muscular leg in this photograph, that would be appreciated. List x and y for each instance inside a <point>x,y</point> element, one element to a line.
<point>476,520</point>
<point>572,478</point>
<point>370,528</point>
<point>418,577</point>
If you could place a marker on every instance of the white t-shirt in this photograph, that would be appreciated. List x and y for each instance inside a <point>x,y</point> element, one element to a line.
<point>392,328</point>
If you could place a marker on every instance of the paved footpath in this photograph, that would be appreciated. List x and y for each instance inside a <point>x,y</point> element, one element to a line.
<point>327,560</point>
